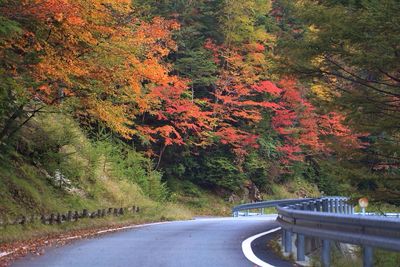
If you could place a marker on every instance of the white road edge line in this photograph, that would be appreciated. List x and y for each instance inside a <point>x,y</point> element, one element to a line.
<point>248,252</point>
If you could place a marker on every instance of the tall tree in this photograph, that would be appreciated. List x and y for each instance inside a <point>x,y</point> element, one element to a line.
<point>348,51</point>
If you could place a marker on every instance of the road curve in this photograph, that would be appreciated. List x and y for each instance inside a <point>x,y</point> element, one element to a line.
<point>196,243</point>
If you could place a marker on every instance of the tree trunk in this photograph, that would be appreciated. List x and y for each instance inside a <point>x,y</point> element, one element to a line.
<point>10,121</point>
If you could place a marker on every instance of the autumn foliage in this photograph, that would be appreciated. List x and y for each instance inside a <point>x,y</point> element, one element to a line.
<point>112,68</point>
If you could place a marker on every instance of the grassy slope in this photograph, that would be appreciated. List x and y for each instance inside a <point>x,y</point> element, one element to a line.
<point>98,181</point>
<point>101,178</point>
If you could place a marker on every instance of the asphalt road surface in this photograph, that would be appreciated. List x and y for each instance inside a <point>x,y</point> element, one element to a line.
<point>198,243</point>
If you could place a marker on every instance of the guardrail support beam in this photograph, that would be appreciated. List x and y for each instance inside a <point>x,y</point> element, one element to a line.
<point>300,248</point>
<point>336,205</point>
<point>368,256</point>
<point>325,205</point>
<point>331,205</point>
<point>283,238</point>
<point>318,205</point>
<point>288,241</point>
<point>326,253</point>
<point>348,209</point>
<point>312,205</point>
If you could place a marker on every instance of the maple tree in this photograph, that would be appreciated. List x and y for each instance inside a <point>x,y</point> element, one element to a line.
<point>127,83</point>
<point>304,129</point>
<point>241,96</point>
<point>238,98</point>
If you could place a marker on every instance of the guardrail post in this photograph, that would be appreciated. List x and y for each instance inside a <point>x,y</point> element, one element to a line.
<point>326,253</point>
<point>300,248</point>
<point>247,213</point>
<point>348,209</point>
<point>341,206</point>
<point>288,241</point>
<point>331,205</point>
<point>368,256</point>
<point>325,205</point>
<point>283,238</point>
<point>318,205</point>
<point>262,211</point>
<point>336,205</point>
<point>312,205</point>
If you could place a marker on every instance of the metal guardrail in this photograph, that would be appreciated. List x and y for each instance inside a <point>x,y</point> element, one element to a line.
<point>331,219</point>
<point>267,204</point>
<point>383,214</point>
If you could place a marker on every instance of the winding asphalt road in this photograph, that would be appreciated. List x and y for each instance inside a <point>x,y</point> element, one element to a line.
<point>197,243</point>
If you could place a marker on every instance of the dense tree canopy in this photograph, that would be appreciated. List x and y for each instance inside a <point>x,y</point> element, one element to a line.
<point>217,92</point>
<point>348,52</point>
